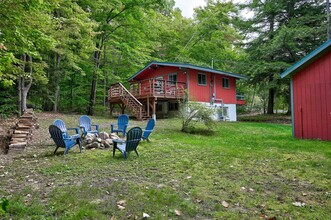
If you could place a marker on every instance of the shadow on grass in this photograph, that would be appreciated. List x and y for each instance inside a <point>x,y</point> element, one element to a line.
<point>200,131</point>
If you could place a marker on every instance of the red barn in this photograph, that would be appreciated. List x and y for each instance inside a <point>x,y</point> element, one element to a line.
<point>157,89</point>
<point>311,94</point>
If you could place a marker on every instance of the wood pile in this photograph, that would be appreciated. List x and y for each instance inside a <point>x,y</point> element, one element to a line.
<point>22,132</point>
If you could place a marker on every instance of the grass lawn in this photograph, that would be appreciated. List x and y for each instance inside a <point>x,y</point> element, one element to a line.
<point>243,170</point>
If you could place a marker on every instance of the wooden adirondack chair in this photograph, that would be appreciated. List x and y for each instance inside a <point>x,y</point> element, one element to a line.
<point>60,124</point>
<point>85,124</point>
<point>122,124</point>
<point>60,141</point>
<point>149,129</point>
<point>131,143</point>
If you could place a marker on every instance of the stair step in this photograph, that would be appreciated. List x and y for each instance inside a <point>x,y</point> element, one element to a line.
<point>131,102</point>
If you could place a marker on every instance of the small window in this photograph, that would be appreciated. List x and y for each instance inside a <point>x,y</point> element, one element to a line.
<point>172,79</point>
<point>173,106</point>
<point>225,83</point>
<point>202,79</point>
<point>223,113</point>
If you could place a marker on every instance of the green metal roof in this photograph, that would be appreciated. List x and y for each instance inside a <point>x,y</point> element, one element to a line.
<point>308,59</point>
<point>188,66</point>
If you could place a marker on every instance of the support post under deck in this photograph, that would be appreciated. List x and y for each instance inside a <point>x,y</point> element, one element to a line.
<point>148,106</point>
<point>154,109</point>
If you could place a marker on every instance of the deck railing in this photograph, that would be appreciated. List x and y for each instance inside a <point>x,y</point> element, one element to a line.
<point>119,91</point>
<point>240,96</point>
<point>158,88</point>
<point>240,99</point>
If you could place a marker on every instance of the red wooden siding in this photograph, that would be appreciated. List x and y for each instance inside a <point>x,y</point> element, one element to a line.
<point>163,72</point>
<point>312,100</point>
<point>227,94</point>
<point>201,93</point>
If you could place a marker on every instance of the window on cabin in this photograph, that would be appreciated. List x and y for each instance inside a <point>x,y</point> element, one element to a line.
<point>173,106</point>
<point>223,113</point>
<point>225,82</point>
<point>172,78</point>
<point>202,79</point>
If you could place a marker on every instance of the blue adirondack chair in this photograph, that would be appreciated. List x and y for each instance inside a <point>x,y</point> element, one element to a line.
<point>122,124</point>
<point>149,129</point>
<point>132,140</point>
<point>60,124</point>
<point>60,141</point>
<point>85,124</point>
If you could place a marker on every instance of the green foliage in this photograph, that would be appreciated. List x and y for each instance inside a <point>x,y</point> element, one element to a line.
<point>122,36</point>
<point>7,101</point>
<point>282,32</point>
<point>4,203</point>
<point>192,112</point>
<point>277,118</point>
<point>80,48</point>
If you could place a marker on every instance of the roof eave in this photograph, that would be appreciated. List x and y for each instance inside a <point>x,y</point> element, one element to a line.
<point>321,50</point>
<point>189,66</point>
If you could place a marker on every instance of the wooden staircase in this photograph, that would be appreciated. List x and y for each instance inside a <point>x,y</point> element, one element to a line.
<point>22,133</point>
<point>136,107</point>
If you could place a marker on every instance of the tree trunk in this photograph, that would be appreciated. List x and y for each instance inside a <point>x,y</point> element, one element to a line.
<point>94,83</point>
<point>22,88</point>
<point>57,82</point>
<point>253,98</point>
<point>72,93</point>
<point>289,109</point>
<point>26,88</point>
<point>105,94</point>
<point>19,104</point>
<point>271,96</point>
<point>21,85</point>
<point>271,100</point>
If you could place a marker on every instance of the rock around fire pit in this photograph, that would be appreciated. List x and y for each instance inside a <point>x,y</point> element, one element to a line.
<point>101,141</point>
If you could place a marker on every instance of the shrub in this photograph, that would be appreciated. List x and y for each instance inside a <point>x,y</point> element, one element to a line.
<point>191,112</point>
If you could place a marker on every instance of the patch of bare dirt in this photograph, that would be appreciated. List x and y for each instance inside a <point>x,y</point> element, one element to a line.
<point>5,126</point>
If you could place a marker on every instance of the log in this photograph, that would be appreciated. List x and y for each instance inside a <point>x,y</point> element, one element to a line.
<point>19,136</point>
<point>29,117</point>
<point>21,132</point>
<point>25,122</point>
<point>23,126</point>
<point>18,140</point>
<point>21,144</point>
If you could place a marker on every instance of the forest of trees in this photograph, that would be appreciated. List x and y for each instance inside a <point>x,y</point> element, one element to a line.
<point>62,55</point>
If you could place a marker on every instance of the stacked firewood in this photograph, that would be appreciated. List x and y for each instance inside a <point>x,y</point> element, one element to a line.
<point>22,132</point>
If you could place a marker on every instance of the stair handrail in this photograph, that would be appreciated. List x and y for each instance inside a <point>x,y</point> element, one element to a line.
<point>134,98</point>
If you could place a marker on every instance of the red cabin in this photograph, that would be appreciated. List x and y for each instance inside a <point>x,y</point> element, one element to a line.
<point>161,86</point>
<point>311,94</point>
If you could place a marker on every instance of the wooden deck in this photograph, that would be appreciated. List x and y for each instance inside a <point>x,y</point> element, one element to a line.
<point>142,96</point>
<point>150,88</point>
